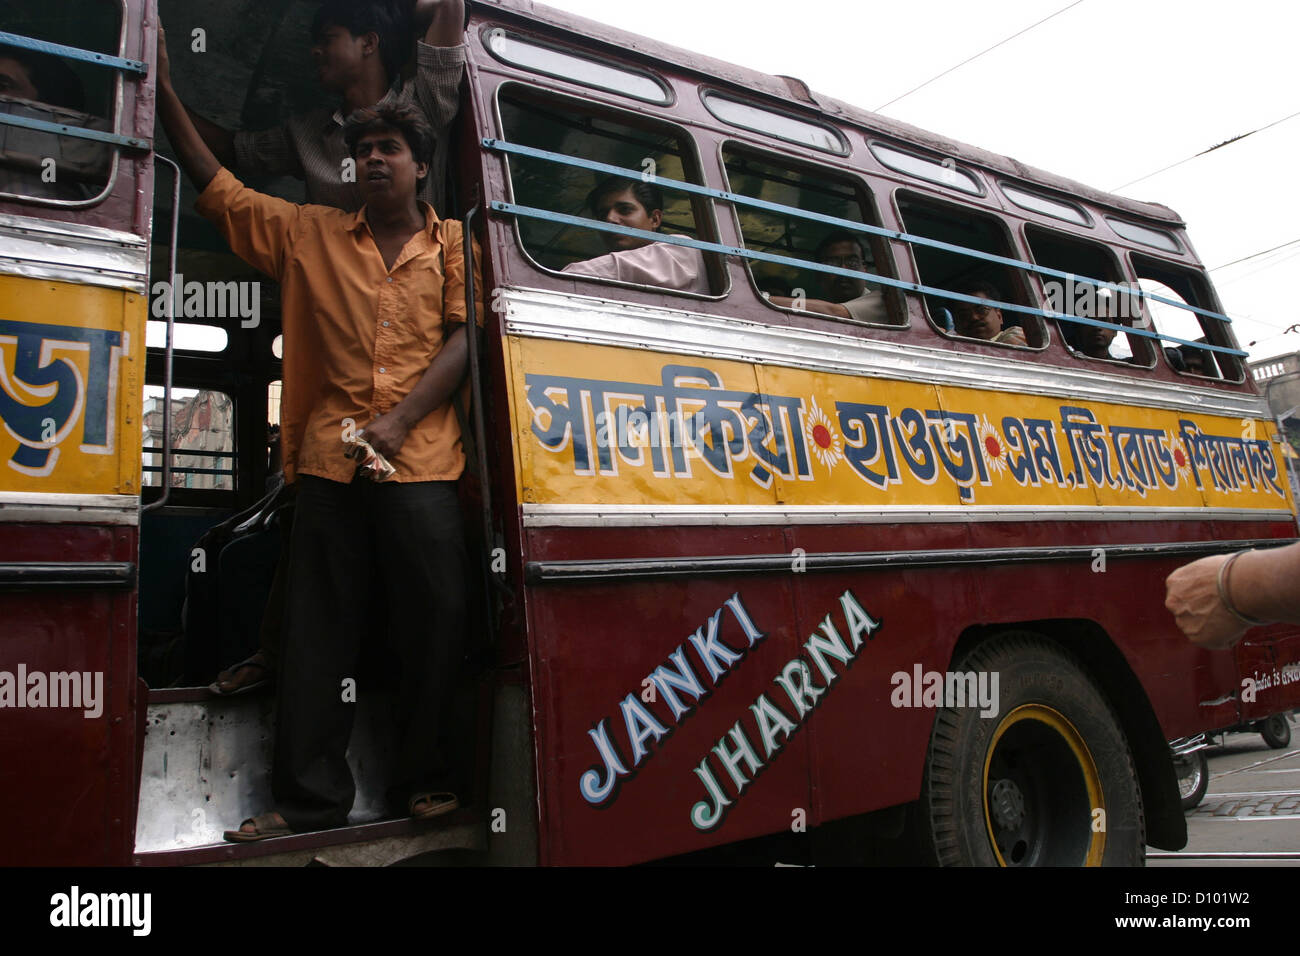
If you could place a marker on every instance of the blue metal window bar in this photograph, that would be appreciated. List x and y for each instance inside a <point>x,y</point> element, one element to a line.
<point>738,199</point>
<point>120,64</point>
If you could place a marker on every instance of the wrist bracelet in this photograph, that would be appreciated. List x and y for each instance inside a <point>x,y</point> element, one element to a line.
<point>1224,585</point>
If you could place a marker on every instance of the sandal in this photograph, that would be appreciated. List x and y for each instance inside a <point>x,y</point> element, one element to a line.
<point>265,826</point>
<point>263,677</point>
<point>436,804</point>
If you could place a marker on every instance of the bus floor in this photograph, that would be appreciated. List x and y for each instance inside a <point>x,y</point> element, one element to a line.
<point>206,766</point>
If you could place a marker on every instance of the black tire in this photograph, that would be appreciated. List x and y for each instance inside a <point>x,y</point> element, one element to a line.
<point>1020,788</point>
<point>1193,772</point>
<point>1276,731</point>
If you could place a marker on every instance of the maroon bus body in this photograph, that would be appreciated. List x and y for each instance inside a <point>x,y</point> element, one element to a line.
<point>68,784</point>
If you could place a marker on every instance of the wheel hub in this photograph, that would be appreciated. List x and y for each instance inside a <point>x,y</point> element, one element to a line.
<point>1008,805</point>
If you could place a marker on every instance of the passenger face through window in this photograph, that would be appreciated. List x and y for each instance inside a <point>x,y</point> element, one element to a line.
<point>843,254</point>
<point>626,208</point>
<point>16,81</point>
<point>977,321</point>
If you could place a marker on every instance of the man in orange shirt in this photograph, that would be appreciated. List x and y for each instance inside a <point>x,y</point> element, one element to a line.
<point>373,307</point>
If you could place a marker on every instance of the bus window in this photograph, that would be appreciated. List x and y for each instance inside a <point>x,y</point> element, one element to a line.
<point>945,173</point>
<point>573,128</point>
<point>1077,296</point>
<point>542,58</point>
<point>1056,208</point>
<point>815,191</point>
<point>1181,285</point>
<point>1156,238</point>
<point>188,337</point>
<point>203,439</point>
<point>39,88</point>
<point>959,272</point>
<point>778,125</point>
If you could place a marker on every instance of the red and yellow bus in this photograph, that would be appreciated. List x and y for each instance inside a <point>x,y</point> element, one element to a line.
<point>758,572</point>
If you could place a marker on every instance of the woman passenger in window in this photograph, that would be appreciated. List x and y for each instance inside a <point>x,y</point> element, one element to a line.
<point>639,205</point>
<point>984,321</point>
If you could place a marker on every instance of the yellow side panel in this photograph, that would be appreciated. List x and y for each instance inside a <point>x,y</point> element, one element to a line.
<point>71,387</point>
<point>600,425</point>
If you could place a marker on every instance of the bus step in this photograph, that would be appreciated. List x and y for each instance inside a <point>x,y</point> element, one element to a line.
<point>458,835</point>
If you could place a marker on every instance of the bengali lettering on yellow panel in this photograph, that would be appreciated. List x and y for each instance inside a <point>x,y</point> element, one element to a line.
<point>71,380</point>
<point>601,425</point>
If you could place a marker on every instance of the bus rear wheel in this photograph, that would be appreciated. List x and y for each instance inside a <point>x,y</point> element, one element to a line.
<point>1047,780</point>
<point>1276,731</point>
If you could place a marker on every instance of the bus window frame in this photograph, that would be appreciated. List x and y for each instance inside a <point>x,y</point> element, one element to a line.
<point>118,108</point>
<point>846,145</point>
<point>1009,234</point>
<point>766,153</point>
<point>707,224</point>
<point>181,496</point>
<point>1196,273</point>
<point>912,178</point>
<point>1181,247</point>
<point>1120,266</point>
<point>1090,221</point>
<point>488,30</point>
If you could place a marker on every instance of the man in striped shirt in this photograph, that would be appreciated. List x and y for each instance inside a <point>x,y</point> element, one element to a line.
<point>358,48</point>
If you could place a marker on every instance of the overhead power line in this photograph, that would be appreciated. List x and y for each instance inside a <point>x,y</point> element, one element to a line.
<point>1255,255</point>
<point>1204,152</point>
<point>971,59</point>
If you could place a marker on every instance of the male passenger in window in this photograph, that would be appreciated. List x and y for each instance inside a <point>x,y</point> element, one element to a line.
<point>639,205</point>
<point>1094,341</point>
<point>359,48</point>
<point>846,296</point>
<point>1197,361</point>
<point>40,78</point>
<point>31,83</point>
<point>984,321</point>
<point>373,305</point>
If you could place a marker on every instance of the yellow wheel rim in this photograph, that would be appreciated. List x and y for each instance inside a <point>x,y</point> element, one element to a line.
<point>1056,722</point>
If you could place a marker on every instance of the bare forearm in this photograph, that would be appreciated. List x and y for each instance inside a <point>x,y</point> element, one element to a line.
<point>193,153</point>
<point>1266,584</point>
<point>218,139</point>
<point>811,305</point>
<point>439,22</point>
<point>439,381</point>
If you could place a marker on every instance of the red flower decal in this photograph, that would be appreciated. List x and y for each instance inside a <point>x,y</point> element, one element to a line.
<point>992,447</point>
<point>822,436</point>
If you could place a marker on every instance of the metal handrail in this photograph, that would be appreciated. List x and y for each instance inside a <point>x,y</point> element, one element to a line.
<point>848,224</point>
<point>169,353</point>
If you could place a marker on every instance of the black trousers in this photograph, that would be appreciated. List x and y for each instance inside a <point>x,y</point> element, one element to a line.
<point>398,547</point>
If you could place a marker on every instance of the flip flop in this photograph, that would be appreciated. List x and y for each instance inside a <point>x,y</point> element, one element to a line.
<point>252,685</point>
<point>265,826</point>
<point>438,804</point>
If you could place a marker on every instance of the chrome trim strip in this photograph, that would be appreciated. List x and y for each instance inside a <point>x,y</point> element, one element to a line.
<point>42,508</point>
<point>691,566</point>
<point>41,249</point>
<point>536,313</point>
<point>30,575</point>
<point>635,516</point>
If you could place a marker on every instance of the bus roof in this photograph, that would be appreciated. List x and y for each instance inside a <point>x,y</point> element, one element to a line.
<point>795,93</point>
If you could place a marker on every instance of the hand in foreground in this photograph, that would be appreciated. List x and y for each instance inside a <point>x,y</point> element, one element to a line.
<point>386,435</point>
<point>1192,596</point>
<point>164,62</point>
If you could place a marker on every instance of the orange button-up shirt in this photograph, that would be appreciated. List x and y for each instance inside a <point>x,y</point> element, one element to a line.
<point>357,336</point>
